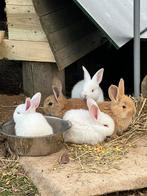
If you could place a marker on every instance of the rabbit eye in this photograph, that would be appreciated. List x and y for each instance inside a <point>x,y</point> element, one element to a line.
<point>50,103</point>
<point>92,90</point>
<point>123,106</point>
<point>105,125</point>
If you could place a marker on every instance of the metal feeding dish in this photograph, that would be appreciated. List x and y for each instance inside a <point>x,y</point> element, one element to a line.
<point>35,146</point>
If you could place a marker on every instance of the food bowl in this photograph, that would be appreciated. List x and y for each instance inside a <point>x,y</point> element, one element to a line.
<point>35,146</point>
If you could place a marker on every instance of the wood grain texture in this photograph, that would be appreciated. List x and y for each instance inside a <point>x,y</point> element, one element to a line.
<point>24,24</point>
<point>26,51</point>
<point>45,7</point>
<point>77,49</point>
<point>19,2</point>
<point>38,76</point>
<point>70,33</point>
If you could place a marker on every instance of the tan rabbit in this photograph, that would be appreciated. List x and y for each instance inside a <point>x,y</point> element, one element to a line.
<point>121,107</point>
<point>57,104</point>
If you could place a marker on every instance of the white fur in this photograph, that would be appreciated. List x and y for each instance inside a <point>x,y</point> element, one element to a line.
<point>32,125</point>
<point>86,129</point>
<point>89,88</point>
<point>77,89</point>
<point>28,122</point>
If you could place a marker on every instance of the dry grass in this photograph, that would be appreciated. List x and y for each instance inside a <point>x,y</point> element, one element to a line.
<point>105,155</point>
<point>13,179</point>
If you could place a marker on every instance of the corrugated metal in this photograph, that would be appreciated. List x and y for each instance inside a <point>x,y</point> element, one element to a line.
<point>115,17</point>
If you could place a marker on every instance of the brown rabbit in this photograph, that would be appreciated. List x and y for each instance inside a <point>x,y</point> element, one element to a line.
<point>57,104</point>
<point>121,107</point>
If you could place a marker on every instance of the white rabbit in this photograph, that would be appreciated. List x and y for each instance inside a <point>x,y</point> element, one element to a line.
<point>89,87</point>
<point>28,122</point>
<point>88,126</point>
<point>35,99</point>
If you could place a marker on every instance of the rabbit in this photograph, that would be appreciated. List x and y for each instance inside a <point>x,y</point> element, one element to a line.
<point>28,122</point>
<point>88,126</point>
<point>121,107</point>
<point>57,104</point>
<point>35,99</point>
<point>89,87</point>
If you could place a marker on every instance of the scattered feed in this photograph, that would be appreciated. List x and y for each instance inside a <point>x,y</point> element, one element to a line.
<point>105,155</point>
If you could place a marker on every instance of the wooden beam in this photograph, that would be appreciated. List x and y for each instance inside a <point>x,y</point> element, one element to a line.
<point>26,51</point>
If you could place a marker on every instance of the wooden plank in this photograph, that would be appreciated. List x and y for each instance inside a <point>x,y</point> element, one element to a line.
<point>78,49</point>
<point>26,51</point>
<point>24,24</point>
<point>69,32</point>
<point>47,7</point>
<point>60,19</point>
<point>17,9</point>
<point>67,36</point>
<point>37,76</point>
<point>19,2</point>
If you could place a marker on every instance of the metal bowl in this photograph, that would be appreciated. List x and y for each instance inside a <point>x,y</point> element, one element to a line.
<point>35,146</point>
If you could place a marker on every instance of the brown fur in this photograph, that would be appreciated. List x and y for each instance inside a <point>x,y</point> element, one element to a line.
<point>63,105</point>
<point>121,107</point>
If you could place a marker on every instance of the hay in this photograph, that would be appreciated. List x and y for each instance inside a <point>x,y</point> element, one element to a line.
<point>13,179</point>
<point>91,158</point>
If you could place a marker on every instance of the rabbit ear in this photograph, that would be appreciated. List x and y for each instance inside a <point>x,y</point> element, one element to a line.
<point>113,93</point>
<point>35,101</point>
<point>86,74</point>
<point>57,87</point>
<point>27,103</point>
<point>121,88</point>
<point>56,93</point>
<point>98,76</point>
<point>57,83</point>
<point>93,108</point>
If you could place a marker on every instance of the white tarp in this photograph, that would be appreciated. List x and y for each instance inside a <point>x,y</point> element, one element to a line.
<point>115,17</point>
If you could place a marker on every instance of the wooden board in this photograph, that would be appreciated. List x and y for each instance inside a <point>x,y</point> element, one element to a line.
<point>19,2</point>
<point>70,33</point>
<point>26,51</point>
<point>24,24</point>
<point>49,7</point>
<point>38,77</point>
<point>54,21</point>
<point>77,49</point>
